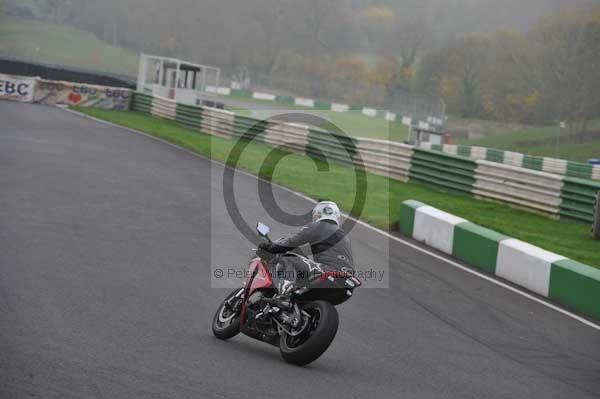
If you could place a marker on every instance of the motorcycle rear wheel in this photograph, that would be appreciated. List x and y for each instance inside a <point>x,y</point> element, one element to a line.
<point>309,346</point>
<point>226,323</point>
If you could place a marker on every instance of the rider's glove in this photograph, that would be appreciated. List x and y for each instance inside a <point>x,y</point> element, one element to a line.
<point>264,246</point>
<point>270,247</point>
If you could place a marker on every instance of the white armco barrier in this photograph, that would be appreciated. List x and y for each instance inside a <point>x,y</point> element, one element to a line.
<point>305,102</point>
<point>596,172</point>
<point>478,152</point>
<point>529,188</point>
<point>450,149</point>
<point>291,136</point>
<point>385,158</point>
<point>217,121</point>
<point>186,96</point>
<point>435,228</point>
<point>369,112</point>
<point>513,158</point>
<point>164,108</point>
<point>160,91</point>
<point>527,264</point>
<point>340,107</point>
<point>390,116</point>
<point>263,96</point>
<point>552,165</point>
<point>225,91</point>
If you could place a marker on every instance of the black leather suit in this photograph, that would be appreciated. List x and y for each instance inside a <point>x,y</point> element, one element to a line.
<point>329,245</point>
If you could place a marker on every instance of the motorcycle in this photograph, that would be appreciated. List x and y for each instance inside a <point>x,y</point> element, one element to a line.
<point>297,316</point>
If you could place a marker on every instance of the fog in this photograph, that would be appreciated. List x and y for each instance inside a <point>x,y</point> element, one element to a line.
<point>506,60</point>
<point>259,34</point>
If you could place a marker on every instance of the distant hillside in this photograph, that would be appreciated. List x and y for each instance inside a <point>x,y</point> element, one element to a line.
<point>62,45</point>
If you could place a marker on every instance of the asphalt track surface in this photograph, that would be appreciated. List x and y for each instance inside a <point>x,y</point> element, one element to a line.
<point>106,244</point>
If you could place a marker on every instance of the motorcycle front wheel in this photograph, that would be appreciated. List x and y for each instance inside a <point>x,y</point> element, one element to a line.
<point>314,341</point>
<point>226,322</point>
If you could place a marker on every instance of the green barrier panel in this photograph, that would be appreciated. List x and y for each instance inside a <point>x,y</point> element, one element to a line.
<point>251,128</point>
<point>531,162</point>
<point>141,103</point>
<point>463,150</point>
<point>326,145</point>
<point>190,123</point>
<point>141,107</point>
<point>241,93</point>
<point>494,155</point>
<point>189,116</point>
<point>477,245</point>
<point>578,199</point>
<point>138,108</point>
<point>142,98</point>
<point>322,105</point>
<point>380,114</point>
<point>406,217</point>
<point>289,100</point>
<point>451,172</point>
<point>574,169</point>
<point>423,175</point>
<point>580,170</point>
<point>465,164</point>
<point>576,285</point>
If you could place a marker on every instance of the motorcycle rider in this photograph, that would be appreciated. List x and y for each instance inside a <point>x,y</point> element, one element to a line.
<point>329,245</point>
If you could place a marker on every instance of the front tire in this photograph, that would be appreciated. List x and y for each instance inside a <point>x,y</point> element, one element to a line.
<point>309,347</point>
<point>226,321</point>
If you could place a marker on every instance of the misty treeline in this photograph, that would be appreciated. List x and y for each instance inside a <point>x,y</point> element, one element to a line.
<point>508,60</point>
<point>549,74</point>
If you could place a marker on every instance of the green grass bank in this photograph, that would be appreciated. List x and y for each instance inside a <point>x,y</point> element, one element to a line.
<point>63,45</point>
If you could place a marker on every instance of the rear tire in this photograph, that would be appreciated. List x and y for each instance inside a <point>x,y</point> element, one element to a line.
<point>319,339</point>
<point>226,324</point>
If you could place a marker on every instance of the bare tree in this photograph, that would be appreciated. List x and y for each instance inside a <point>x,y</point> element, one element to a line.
<point>271,16</point>
<point>54,10</point>
<point>570,50</point>
<point>467,64</point>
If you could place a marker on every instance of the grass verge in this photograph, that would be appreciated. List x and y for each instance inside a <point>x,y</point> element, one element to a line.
<point>63,45</point>
<point>384,196</point>
<point>238,110</point>
<point>353,123</point>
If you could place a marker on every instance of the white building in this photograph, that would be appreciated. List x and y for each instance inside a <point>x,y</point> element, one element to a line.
<point>178,80</point>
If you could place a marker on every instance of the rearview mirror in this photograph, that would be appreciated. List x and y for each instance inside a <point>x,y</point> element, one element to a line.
<point>263,229</point>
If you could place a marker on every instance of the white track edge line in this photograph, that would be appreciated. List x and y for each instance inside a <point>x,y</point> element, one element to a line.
<point>362,223</point>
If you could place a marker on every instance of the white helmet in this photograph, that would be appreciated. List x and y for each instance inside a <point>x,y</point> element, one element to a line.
<point>326,210</point>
